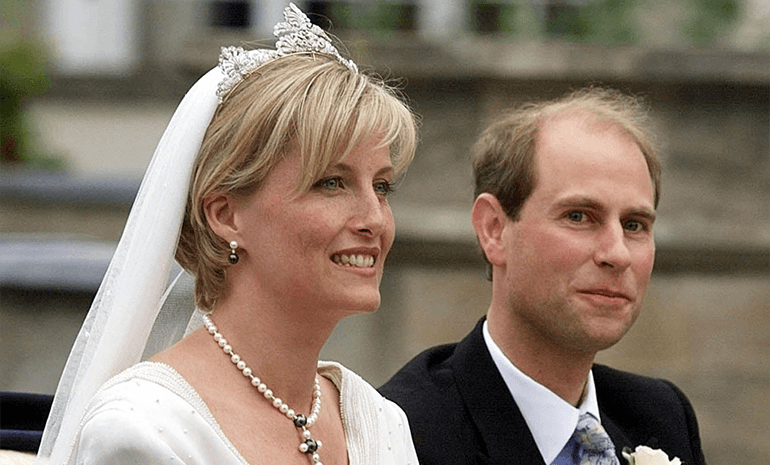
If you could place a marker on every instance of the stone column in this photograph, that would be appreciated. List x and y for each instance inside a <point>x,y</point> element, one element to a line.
<point>266,13</point>
<point>438,20</point>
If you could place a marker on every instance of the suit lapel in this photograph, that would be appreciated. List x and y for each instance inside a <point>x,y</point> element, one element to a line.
<point>618,438</point>
<point>496,416</point>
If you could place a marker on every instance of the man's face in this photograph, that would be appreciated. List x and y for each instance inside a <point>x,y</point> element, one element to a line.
<point>579,258</point>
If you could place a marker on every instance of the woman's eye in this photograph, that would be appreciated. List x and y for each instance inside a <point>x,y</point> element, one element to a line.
<point>329,183</point>
<point>383,187</point>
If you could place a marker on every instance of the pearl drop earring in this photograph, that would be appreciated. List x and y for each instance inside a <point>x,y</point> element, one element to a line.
<point>233,255</point>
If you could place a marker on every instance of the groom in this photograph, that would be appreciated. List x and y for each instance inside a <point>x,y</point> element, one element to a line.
<point>566,193</point>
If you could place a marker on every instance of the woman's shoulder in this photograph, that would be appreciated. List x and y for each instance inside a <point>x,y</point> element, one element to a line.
<point>377,430</point>
<point>147,386</point>
<point>146,412</point>
<point>356,393</point>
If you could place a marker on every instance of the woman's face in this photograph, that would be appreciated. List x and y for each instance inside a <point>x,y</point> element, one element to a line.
<point>324,248</point>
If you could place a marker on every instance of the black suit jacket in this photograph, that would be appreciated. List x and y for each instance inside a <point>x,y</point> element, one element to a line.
<point>461,412</point>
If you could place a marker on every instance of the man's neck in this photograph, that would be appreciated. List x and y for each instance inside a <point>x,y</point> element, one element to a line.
<point>563,371</point>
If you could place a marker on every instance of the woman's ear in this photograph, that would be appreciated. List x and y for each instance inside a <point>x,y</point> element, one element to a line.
<point>489,220</point>
<point>219,210</point>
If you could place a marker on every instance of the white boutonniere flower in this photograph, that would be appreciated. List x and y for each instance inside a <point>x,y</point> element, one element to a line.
<point>644,455</point>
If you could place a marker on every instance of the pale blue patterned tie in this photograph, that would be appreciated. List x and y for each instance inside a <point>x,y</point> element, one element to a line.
<point>589,445</point>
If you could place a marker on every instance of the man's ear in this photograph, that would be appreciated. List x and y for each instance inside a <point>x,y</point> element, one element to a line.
<point>219,210</point>
<point>489,220</point>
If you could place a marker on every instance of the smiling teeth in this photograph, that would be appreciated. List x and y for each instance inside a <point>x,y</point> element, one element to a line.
<point>362,261</point>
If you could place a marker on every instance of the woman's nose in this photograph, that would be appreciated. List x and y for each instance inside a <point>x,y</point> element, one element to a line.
<point>370,217</point>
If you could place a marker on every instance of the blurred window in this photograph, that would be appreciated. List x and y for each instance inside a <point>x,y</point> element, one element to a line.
<point>383,15</point>
<point>230,14</point>
<point>556,18</point>
<point>562,18</point>
<point>487,17</point>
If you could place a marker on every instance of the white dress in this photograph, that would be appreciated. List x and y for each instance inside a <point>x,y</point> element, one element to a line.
<point>149,414</point>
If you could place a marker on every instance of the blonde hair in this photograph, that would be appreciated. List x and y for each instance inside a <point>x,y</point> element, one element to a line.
<point>310,102</point>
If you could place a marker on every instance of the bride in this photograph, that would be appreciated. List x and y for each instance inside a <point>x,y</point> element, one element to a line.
<point>270,187</point>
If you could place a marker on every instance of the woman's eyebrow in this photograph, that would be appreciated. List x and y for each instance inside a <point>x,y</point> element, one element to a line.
<point>348,169</point>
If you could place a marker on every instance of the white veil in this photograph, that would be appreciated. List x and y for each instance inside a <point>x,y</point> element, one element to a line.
<point>125,323</point>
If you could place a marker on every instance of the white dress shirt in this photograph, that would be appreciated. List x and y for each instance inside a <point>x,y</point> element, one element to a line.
<point>550,419</point>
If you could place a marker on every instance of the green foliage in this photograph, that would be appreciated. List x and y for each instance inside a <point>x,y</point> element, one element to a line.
<point>596,21</point>
<point>509,16</point>
<point>507,19</point>
<point>369,16</point>
<point>711,19</point>
<point>388,16</point>
<point>23,75</point>
<point>610,22</point>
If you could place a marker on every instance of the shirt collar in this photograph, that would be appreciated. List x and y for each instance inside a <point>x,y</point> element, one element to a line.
<point>550,419</point>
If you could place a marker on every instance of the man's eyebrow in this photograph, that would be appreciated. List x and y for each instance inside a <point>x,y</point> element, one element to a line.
<point>641,211</point>
<point>579,201</point>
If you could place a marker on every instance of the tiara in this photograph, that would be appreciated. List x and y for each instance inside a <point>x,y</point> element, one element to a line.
<point>296,35</point>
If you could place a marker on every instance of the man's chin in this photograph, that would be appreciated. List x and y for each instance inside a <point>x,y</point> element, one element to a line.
<point>603,333</point>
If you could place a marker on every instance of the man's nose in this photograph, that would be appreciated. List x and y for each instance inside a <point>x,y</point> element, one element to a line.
<point>612,250</point>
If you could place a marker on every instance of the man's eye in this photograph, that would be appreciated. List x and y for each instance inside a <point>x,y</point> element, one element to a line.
<point>634,226</point>
<point>576,216</point>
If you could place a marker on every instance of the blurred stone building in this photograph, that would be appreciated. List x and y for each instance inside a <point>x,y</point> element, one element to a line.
<point>119,68</point>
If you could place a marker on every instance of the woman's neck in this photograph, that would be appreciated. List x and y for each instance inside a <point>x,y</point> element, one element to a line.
<point>280,345</point>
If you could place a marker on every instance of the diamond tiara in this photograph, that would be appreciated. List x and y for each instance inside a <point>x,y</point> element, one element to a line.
<point>296,35</point>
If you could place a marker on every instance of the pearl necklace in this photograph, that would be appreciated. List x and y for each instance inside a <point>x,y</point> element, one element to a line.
<point>308,445</point>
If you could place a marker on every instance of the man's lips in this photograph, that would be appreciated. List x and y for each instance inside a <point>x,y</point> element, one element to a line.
<point>607,293</point>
